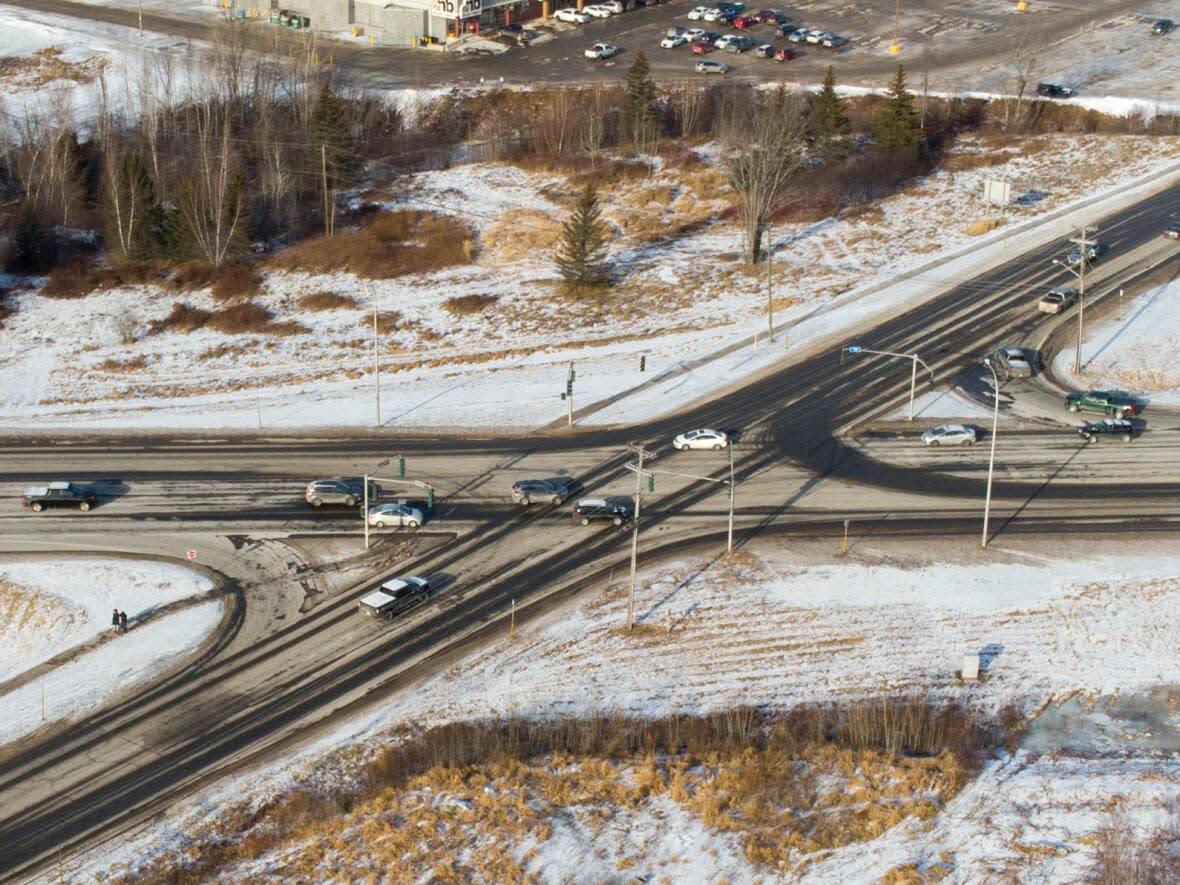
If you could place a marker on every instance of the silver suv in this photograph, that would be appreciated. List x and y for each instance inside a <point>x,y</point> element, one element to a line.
<point>526,491</point>
<point>349,492</point>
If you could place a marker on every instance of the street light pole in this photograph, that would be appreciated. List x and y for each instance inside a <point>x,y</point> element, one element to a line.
<point>376,360</point>
<point>913,384</point>
<point>642,453</point>
<point>729,542</point>
<point>365,515</point>
<point>854,348</point>
<point>769,289</point>
<point>991,463</point>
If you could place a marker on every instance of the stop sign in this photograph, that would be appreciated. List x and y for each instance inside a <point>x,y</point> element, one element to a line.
<point>191,554</point>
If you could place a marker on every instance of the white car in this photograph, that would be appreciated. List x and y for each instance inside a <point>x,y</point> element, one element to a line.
<point>602,50</point>
<point>597,11</point>
<point>698,13</point>
<point>713,14</point>
<point>615,6</point>
<point>949,435</point>
<point>694,34</point>
<point>725,40</point>
<point>700,439</point>
<point>673,42</point>
<point>814,36</point>
<point>572,16</point>
<point>384,515</point>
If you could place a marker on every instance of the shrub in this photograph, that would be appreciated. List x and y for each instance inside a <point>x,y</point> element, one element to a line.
<point>389,245</point>
<point>983,225</point>
<point>326,301</point>
<point>520,233</point>
<point>236,281</point>
<point>466,305</point>
<point>82,277</point>
<point>247,318</point>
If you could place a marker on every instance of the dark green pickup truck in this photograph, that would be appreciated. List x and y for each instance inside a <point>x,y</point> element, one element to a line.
<point>1105,402</point>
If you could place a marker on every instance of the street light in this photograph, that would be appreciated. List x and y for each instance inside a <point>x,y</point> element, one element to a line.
<point>913,357</point>
<point>991,464</point>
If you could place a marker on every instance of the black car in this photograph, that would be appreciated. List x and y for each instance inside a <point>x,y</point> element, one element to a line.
<point>58,494</point>
<point>590,510</point>
<point>1163,26</point>
<point>727,16</point>
<point>1053,90</point>
<point>555,490</point>
<point>764,50</point>
<point>1119,427</point>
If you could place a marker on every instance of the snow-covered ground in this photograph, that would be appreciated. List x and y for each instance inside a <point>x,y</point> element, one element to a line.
<point>777,627</point>
<point>678,299</point>
<point>48,606</point>
<point>1136,349</point>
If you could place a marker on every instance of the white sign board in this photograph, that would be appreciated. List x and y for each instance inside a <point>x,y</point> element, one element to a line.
<point>457,8</point>
<point>997,192</point>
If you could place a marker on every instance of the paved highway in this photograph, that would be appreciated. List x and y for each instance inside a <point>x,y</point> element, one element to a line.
<point>292,654</point>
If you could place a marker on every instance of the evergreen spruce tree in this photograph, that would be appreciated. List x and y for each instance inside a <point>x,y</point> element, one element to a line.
<point>581,255</point>
<point>896,128</point>
<point>33,247</point>
<point>132,215</point>
<point>828,123</point>
<point>330,142</point>
<point>640,118</point>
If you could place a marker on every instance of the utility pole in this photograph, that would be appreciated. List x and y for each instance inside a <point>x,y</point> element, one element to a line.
<point>641,453</point>
<point>991,462</point>
<point>569,396</point>
<point>327,204</point>
<point>769,288</point>
<point>141,18</point>
<point>1083,242</point>
<point>729,542</point>
<point>366,516</point>
<point>376,360</point>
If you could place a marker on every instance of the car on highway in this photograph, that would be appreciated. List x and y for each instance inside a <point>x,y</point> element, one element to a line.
<point>59,494</point>
<point>798,35</point>
<point>698,13</point>
<point>671,42</point>
<point>703,438</point>
<point>949,435</point>
<point>1162,26</point>
<point>394,597</point>
<point>1058,299</point>
<point>526,491</point>
<point>1120,427</point>
<point>739,44</point>
<point>597,11</point>
<point>602,50</point>
<point>349,491</point>
<point>710,66</point>
<point>571,16</point>
<point>1053,90</point>
<point>386,515</point>
<point>1173,232</point>
<point>1074,256</point>
<point>617,511</point>
<point>1107,402</point>
<point>1013,362</point>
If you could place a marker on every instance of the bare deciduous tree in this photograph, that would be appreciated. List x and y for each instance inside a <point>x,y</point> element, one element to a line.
<point>1022,60</point>
<point>766,146</point>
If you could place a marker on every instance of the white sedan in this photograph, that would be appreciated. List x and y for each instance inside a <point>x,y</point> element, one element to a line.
<point>384,515</point>
<point>949,435</point>
<point>672,42</point>
<point>701,439</point>
<point>694,34</point>
<point>602,50</point>
<point>698,13</point>
<point>615,6</point>
<point>725,40</point>
<point>572,16</point>
<point>597,11</point>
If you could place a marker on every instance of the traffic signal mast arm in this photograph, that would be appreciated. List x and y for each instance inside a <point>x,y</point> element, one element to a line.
<point>913,357</point>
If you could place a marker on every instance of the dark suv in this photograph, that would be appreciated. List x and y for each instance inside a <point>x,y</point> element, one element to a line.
<point>1163,26</point>
<point>1106,402</point>
<point>556,490</point>
<point>1109,426</point>
<point>58,494</point>
<point>592,509</point>
<point>1053,90</point>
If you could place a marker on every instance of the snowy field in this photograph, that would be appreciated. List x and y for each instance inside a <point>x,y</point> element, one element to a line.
<point>678,299</point>
<point>1136,349</point>
<point>48,606</point>
<point>795,624</point>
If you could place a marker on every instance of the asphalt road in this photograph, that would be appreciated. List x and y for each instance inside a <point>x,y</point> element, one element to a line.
<point>292,654</point>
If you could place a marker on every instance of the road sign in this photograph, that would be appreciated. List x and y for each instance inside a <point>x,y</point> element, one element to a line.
<point>997,192</point>
<point>854,349</point>
<point>190,554</point>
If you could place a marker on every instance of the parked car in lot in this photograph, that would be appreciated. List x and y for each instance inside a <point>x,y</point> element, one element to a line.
<point>724,40</point>
<point>394,597</point>
<point>949,435</point>
<point>1074,256</point>
<point>708,66</point>
<point>1053,90</point>
<point>700,439</point>
<point>597,11</point>
<point>386,515</point>
<point>742,22</point>
<point>1013,362</point>
<point>526,491</point>
<point>671,42</point>
<point>740,43</point>
<point>617,511</point>
<point>1119,427</point>
<point>1173,231</point>
<point>59,494</point>
<point>602,50</point>
<point>698,13</point>
<point>1106,402</point>
<point>771,17</point>
<point>702,47</point>
<point>1058,300</point>
<point>571,16</point>
<point>784,53</point>
<point>695,34</point>
<point>764,50</point>
<point>349,491</point>
<point>814,35</point>
<point>713,14</point>
<point>1162,26</point>
<point>832,41</point>
<point>615,7</point>
<point>798,35</point>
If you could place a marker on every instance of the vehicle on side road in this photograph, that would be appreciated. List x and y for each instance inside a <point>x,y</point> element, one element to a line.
<point>708,66</point>
<point>698,13</point>
<point>1162,26</point>
<point>1053,90</point>
<point>1058,300</point>
<point>1107,402</point>
<point>386,515</point>
<point>589,510</point>
<point>59,494</point>
<point>1013,362</point>
<point>1074,256</point>
<point>949,435</point>
<point>700,439</point>
<point>394,597</point>
<point>571,16</point>
<point>671,42</point>
<point>526,491</point>
<point>1123,429</point>
<point>349,491</point>
<point>602,50</point>
<point>1173,231</point>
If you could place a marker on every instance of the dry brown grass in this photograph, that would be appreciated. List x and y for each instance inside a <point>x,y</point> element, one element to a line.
<point>468,305</point>
<point>239,319</point>
<point>982,226</point>
<point>390,244</point>
<point>317,301</point>
<point>47,66</point>
<point>964,162</point>
<point>236,282</point>
<point>82,277</point>
<point>866,213</point>
<point>128,365</point>
<point>519,233</point>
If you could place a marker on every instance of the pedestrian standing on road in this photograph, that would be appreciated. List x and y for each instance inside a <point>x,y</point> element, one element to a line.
<point>115,621</point>
<point>122,622</point>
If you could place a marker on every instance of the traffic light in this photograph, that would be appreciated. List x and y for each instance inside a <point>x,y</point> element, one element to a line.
<point>401,465</point>
<point>643,363</point>
<point>430,498</point>
<point>651,482</point>
<point>569,387</point>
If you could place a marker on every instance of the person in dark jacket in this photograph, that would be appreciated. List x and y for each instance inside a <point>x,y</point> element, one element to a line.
<point>115,620</point>
<point>122,622</point>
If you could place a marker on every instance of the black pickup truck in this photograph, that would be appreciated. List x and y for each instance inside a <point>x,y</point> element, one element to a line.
<point>58,494</point>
